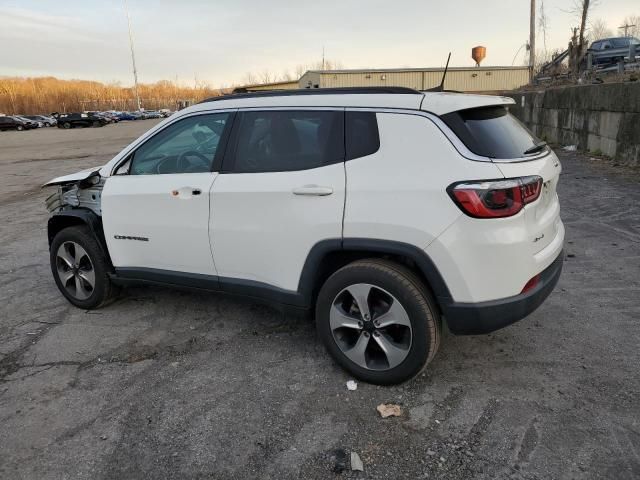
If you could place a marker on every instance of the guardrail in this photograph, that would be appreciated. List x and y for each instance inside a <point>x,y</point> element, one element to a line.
<point>630,54</point>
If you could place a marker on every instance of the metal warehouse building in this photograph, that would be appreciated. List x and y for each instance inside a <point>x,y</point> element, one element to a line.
<point>287,85</point>
<point>464,79</point>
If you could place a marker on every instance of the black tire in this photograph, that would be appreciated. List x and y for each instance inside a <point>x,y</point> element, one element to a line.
<point>96,124</point>
<point>19,128</point>
<point>66,125</point>
<point>103,290</point>
<point>413,296</point>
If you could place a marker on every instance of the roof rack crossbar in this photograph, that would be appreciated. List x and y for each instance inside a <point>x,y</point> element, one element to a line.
<point>317,91</point>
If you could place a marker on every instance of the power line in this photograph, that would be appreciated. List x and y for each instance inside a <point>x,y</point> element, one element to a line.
<point>626,27</point>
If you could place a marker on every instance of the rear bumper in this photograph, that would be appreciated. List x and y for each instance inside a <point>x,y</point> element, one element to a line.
<point>486,317</point>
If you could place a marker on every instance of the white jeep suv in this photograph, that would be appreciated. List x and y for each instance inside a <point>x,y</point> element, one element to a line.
<point>385,210</point>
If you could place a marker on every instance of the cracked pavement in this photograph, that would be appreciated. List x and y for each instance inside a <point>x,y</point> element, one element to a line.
<point>175,384</point>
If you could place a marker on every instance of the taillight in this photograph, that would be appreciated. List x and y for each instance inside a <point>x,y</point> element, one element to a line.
<point>495,198</point>
<point>531,284</point>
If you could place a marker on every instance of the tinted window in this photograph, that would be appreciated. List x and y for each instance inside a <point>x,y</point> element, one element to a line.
<point>491,132</point>
<point>362,137</point>
<point>187,146</point>
<point>277,141</point>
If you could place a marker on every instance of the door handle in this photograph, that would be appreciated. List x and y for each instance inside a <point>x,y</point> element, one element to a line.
<point>313,190</point>
<point>185,192</point>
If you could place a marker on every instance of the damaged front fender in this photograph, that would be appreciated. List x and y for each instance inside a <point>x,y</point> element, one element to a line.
<point>79,190</point>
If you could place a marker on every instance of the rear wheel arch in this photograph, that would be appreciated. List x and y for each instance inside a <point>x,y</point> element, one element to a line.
<point>328,256</point>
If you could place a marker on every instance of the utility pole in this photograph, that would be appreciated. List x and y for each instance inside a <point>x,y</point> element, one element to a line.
<point>532,40</point>
<point>133,57</point>
<point>626,27</point>
<point>323,57</point>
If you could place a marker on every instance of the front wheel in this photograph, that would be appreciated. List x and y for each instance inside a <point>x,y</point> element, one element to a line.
<point>378,321</point>
<point>80,268</point>
<point>66,125</point>
<point>19,128</point>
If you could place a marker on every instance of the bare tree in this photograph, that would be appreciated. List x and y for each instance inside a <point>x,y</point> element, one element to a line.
<point>578,44</point>
<point>632,31</point>
<point>598,29</point>
<point>266,76</point>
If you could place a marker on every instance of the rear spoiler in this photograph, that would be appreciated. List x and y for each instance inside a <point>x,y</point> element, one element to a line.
<point>441,103</point>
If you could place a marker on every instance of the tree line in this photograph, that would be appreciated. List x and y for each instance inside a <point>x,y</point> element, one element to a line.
<point>43,95</point>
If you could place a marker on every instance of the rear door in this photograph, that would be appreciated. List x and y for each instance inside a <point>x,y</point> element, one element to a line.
<point>155,209</point>
<point>281,191</point>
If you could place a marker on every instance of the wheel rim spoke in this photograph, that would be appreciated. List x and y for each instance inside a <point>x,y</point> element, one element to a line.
<point>339,319</point>
<point>357,353</point>
<point>65,255</point>
<point>88,276</point>
<point>65,275</point>
<point>81,292</point>
<point>396,315</point>
<point>80,253</point>
<point>395,354</point>
<point>360,294</point>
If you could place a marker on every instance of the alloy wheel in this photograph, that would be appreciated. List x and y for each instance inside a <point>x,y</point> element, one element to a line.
<point>370,326</point>
<point>75,270</point>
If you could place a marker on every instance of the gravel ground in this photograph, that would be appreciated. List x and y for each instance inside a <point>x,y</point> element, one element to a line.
<point>175,384</point>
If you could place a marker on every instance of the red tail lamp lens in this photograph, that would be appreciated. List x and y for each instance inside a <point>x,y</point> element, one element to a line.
<point>531,284</point>
<point>495,198</point>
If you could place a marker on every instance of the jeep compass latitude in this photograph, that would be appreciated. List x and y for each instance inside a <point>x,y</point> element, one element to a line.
<point>386,211</point>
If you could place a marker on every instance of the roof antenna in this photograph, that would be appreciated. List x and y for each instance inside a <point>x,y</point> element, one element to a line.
<point>440,88</point>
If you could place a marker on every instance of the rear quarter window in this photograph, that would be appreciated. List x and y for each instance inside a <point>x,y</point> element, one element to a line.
<point>362,136</point>
<point>491,132</point>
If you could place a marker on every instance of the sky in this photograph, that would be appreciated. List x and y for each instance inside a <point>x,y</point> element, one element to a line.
<point>220,41</point>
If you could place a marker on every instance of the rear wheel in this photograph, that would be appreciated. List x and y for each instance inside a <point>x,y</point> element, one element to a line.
<point>80,268</point>
<point>378,321</point>
<point>96,123</point>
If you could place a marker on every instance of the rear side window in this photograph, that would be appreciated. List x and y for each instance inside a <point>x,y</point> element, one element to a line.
<point>362,136</point>
<point>281,141</point>
<point>491,132</point>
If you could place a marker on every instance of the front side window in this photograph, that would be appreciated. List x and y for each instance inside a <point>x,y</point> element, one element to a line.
<point>277,141</point>
<point>187,146</point>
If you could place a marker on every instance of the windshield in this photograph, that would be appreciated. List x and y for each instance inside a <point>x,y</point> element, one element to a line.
<point>492,132</point>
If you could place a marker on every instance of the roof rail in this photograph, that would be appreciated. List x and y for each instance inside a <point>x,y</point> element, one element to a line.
<point>316,91</point>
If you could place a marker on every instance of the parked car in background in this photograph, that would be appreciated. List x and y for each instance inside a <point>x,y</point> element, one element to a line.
<point>612,50</point>
<point>46,121</point>
<point>152,114</point>
<point>126,116</point>
<point>165,112</point>
<point>70,120</point>
<point>16,123</point>
<point>32,123</point>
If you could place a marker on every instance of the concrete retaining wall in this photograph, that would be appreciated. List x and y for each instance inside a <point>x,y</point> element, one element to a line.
<point>602,119</point>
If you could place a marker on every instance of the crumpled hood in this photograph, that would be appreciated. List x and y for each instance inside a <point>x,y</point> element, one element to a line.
<point>74,177</point>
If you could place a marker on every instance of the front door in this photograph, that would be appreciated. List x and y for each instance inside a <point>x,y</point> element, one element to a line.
<point>155,209</point>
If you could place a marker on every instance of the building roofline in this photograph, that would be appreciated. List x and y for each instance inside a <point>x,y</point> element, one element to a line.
<point>283,82</point>
<point>391,70</point>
